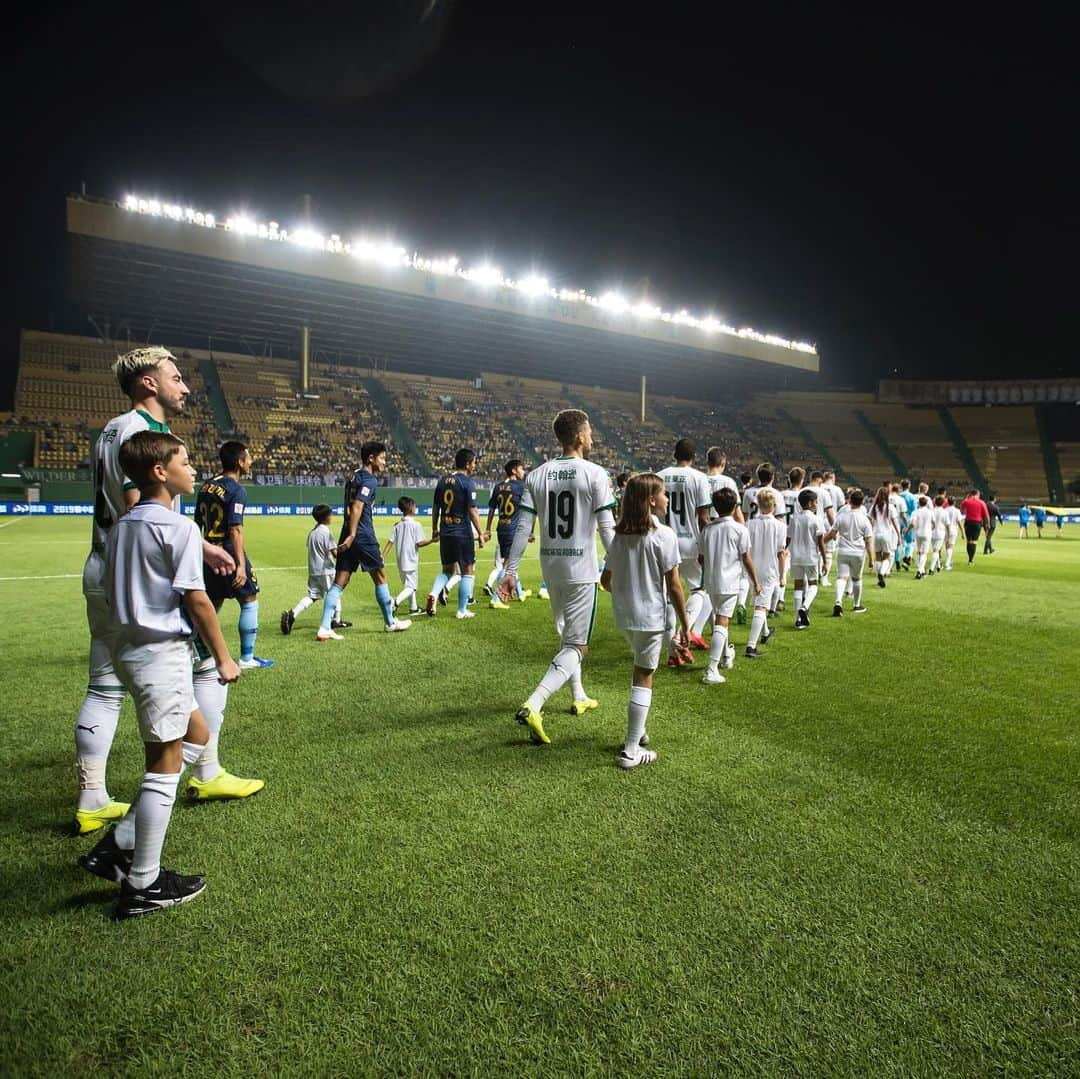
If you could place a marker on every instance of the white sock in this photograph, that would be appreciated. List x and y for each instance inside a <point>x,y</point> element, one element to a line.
<point>717,646</point>
<point>157,796</point>
<point>828,562</point>
<point>455,578</point>
<point>576,687</point>
<point>211,697</point>
<point>636,715</point>
<point>810,596</point>
<point>856,592</point>
<point>703,615</point>
<point>403,595</point>
<point>567,660</point>
<point>302,606</point>
<point>694,603</point>
<point>493,576</point>
<point>95,728</point>
<point>920,566</point>
<point>777,596</point>
<point>841,588</point>
<point>798,597</point>
<point>757,624</point>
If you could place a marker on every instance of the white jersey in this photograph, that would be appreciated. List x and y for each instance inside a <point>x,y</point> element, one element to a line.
<point>767,538</point>
<point>953,517</point>
<point>688,491</point>
<point>153,556</point>
<point>723,543</point>
<point>791,504</point>
<point>566,494</point>
<point>923,522</point>
<point>108,478</point>
<point>320,561</point>
<point>898,505</point>
<point>885,523</point>
<point>638,565</point>
<point>837,498</point>
<point>802,533</point>
<point>824,503</point>
<point>717,482</point>
<point>750,506</point>
<point>853,530</point>
<point>407,533</point>
<point>941,522</point>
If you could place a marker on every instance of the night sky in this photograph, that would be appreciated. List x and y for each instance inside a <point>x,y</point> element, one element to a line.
<point>901,192</point>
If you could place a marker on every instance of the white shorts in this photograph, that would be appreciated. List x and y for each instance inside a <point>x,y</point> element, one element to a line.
<point>804,571</point>
<point>690,572</point>
<point>830,545</point>
<point>950,535</point>
<point>723,603</point>
<point>646,644</point>
<point>884,544</point>
<point>936,542</point>
<point>849,565</point>
<point>573,607</point>
<point>922,543</point>
<point>103,676</point>
<point>158,677</point>
<point>410,578</point>
<point>768,585</point>
<point>319,584</point>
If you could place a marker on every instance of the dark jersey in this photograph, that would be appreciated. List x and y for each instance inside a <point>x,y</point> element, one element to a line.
<point>455,495</point>
<point>219,507</point>
<point>507,499</point>
<point>360,487</point>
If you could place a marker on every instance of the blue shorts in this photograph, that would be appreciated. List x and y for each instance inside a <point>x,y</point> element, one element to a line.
<point>219,588</point>
<point>362,554</point>
<point>506,541</point>
<point>459,549</point>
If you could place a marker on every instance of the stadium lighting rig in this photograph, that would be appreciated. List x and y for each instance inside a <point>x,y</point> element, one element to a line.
<point>533,285</point>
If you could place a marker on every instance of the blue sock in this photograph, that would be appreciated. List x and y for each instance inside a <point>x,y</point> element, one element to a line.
<point>386,604</point>
<point>519,588</point>
<point>249,627</point>
<point>330,605</point>
<point>440,583</point>
<point>464,592</point>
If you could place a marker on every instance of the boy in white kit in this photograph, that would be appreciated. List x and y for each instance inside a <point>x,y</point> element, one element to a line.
<point>725,552</point>
<point>768,538</point>
<point>922,521</point>
<point>156,595</point>
<point>806,547</point>
<point>321,550</point>
<point>953,517</point>
<point>641,570</point>
<point>939,533</point>
<point>406,539</point>
<point>854,545</point>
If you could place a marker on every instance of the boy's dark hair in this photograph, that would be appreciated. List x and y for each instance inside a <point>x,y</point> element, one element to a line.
<point>371,449</point>
<point>143,451</point>
<point>745,478</point>
<point>715,457</point>
<point>806,496</point>
<point>939,500</point>
<point>855,497</point>
<point>464,457</point>
<point>724,501</point>
<point>796,476</point>
<point>568,424</point>
<point>406,504</point>
<point>230,454</point>
<point>817,474</point>
<point>685,450</point>
<point>765,473</point>
<point>512,464</point>
<point>322,512</point>
<point>621,479</point>
<point>905,485</point>
<point>923,500</point>
<point>827,473</point>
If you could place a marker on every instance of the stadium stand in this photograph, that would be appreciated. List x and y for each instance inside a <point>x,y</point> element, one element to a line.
<point>1005,443</point>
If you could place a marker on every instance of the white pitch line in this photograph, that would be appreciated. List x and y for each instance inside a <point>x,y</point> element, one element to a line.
<point>13,521</point>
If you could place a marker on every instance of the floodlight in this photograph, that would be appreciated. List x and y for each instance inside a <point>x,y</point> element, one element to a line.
<point>533,285</point>
<point>644,309</point>
<point>485,275</point>
<point>614,302</point>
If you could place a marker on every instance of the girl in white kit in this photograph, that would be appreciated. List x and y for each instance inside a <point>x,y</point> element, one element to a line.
<point>642,574</point>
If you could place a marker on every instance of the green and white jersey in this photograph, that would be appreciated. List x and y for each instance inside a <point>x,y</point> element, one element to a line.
<point>717,481</point>
<point>566,494</point>
<point>688,491</point>
<point>110,483</point>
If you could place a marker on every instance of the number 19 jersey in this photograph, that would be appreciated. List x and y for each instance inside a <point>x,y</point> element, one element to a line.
<point>566,494</point>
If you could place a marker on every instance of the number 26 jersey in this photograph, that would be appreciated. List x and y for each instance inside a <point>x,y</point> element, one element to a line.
<point>566,494</point>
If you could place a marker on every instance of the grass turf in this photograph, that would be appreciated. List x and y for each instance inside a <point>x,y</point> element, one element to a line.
<point>859,856</point>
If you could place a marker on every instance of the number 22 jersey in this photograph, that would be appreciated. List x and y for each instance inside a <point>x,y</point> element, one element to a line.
<point>566,494</point>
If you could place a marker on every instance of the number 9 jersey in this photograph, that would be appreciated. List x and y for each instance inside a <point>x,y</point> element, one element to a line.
<point>566,494</point>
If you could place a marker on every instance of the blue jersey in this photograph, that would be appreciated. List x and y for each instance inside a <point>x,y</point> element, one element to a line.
<point>219,507</point>
<point>1040,517</point>
<point>507,498</point>
<point>360,487</point>
<point>1025,516</point>
<point>455,495</point>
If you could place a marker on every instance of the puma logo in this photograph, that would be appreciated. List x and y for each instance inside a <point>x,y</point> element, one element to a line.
<point>89,730</point>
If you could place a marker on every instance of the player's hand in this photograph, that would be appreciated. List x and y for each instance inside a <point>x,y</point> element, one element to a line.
<point>532,539</point>
<point>345,544</point>
<point>507,587</point>
<point>240,578</point>
<point>218,560</point>
<point>684,638</point>
<point>228,672</point>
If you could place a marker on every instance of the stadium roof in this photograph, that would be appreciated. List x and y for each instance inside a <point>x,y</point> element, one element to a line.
<point>157,278</point>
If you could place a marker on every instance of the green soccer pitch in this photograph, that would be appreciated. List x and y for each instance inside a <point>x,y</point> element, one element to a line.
<point>859,856</point>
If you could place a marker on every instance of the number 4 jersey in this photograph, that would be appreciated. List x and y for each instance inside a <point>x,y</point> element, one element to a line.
<point>566,494</point>
<point>688,491</point>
